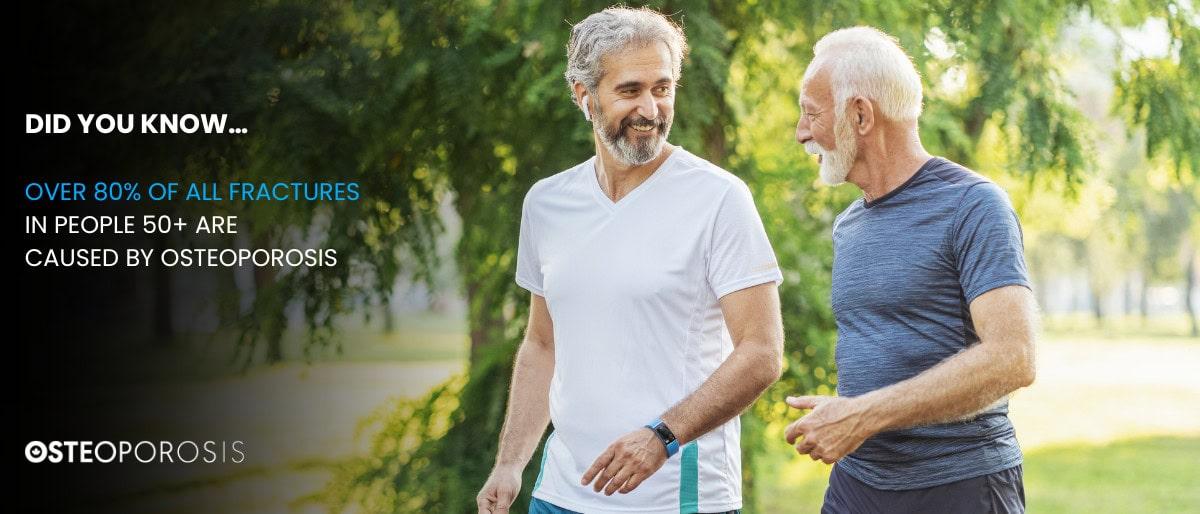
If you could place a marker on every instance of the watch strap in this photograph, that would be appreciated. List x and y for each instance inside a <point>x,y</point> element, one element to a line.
<point>664,435</point>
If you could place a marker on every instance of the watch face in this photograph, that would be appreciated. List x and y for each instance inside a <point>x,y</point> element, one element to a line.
<point>664,432</point>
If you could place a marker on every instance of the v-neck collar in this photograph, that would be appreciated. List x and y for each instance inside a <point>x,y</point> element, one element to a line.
<point>607,202</point>
<point>929,164</point>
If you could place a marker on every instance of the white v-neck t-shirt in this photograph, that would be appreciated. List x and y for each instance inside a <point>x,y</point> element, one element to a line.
<point>632,287</point>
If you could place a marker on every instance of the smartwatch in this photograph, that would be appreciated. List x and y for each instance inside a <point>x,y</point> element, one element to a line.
<point>665,435</point>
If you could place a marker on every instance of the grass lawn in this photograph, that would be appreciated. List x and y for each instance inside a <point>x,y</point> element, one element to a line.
<point>1146,475</point>
<point>1151,475</point>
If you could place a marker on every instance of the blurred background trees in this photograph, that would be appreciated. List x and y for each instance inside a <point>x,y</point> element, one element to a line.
<point>446,113</point>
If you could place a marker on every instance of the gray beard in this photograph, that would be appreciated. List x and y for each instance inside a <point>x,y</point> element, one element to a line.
<point>626,151</point>
<point>835,164</point>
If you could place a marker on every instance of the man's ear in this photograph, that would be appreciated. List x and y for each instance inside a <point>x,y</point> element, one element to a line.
<point>862,114</point>
<point>582,100</point>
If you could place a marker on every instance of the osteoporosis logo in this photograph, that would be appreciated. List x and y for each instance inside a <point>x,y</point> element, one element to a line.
<point>145,452</point>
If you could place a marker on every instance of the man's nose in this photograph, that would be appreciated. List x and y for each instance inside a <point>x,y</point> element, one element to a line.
<point>647,106</point>
<point>802,132</point>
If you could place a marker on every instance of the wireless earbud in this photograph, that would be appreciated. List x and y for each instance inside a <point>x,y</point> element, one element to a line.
<point>587,112</point>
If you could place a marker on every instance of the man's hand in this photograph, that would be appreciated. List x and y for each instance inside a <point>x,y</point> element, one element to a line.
<point>835,427</point>
<point>500,491</point>
<point>627,462</point>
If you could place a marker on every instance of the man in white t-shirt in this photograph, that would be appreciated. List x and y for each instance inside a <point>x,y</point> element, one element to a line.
<point>654,317</point>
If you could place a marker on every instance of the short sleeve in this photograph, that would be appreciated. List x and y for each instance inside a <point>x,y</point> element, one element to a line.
<point>529,267</point>
<point>987,241</point>
<point>740,255</point>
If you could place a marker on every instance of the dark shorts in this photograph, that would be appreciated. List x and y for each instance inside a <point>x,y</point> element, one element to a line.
<point>537,506</point>
<point>1002,492</point>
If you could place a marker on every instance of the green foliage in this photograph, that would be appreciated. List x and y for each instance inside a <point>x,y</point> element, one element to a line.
<point>1160,93</point>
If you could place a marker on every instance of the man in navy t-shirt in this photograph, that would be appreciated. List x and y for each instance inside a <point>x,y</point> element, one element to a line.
<point>936,319</point>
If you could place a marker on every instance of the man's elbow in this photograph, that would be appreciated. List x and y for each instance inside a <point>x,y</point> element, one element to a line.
<point>773,371</point>
<point>536,346</point>
<point>1026,366</point>
<point>767,367</point>
<point>1029,375</point>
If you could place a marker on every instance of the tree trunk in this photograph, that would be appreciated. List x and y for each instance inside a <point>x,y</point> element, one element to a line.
<point>1188,291</point>
<point>389,319</point>
<point>485,323</point>
<point>229,296</point>
<point>1144,300</point>
<point>1128,301</point>
<point>264,276</point>
<point>163,331</point>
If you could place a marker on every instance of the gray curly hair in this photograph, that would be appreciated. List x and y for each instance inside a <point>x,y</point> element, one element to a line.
<point>614,29</point>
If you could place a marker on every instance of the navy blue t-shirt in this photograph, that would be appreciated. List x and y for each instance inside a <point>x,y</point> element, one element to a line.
<point>905,270</point>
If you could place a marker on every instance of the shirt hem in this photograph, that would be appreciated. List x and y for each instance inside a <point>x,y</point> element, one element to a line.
<point>1011,281</point>
<point>902,486</point>
<point>528,286</point>
<point>772,276</point>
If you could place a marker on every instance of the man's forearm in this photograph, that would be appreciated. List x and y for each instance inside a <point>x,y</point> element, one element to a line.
<point>957,387</point>
<point>748,371</point>
<point>528,405</point>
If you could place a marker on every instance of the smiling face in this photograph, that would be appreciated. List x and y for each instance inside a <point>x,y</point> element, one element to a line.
<point>824,130</point>
<point>635,103</point>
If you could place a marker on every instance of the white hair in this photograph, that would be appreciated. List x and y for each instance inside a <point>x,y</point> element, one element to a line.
<point>612,30</point>
<point>865,61</point>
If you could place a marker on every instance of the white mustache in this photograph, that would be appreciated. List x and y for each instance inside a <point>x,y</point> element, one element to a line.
<point>813,148</point>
